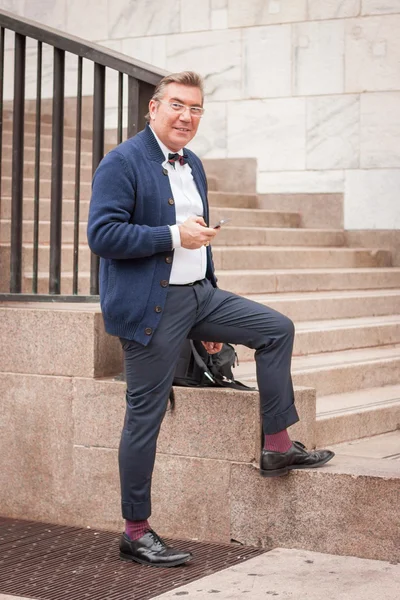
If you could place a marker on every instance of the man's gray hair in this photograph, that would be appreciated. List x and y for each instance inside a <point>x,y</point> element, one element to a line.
<point>189,78</point>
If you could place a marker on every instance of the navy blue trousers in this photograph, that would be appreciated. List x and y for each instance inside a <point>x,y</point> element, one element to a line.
<point>199,312</point>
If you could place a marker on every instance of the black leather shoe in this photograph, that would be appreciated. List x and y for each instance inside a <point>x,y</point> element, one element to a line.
<point>151,550</point>
<point>274,464</point>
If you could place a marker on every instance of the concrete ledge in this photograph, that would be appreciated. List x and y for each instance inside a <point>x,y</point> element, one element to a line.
<point>66,339</point>
<point>206,423</point>
<point>60,436</point>
<point>349,507</point>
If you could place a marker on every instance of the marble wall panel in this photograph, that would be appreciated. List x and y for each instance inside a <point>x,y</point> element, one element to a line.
<point>265,12</point>
<point>219,18</point>
<point>273,131</point>
<point>299,182</point>
<point>380,130</point>
<point>333,9</point>
<point>214,54</point>
<point>195,15</point>
<point>71,68</point>
<point>318,57</point>
<point>87,19</point>
<point>210,140</point>
<point>13,6</point>
<point>16,7</point>
<point>219,4</point>
<point>267,61</point>
<point>372,54</point>
<point>377,7</point>
<point>333,132</point>
<point>152,49</point>
<point>372,199</point>
<point>48,12</point>
<point>130,18</point>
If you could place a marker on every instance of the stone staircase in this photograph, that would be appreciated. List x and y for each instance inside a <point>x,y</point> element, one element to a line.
<point>345,302</point>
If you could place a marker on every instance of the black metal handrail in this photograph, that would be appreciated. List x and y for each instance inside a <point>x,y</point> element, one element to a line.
<point>141,80</point>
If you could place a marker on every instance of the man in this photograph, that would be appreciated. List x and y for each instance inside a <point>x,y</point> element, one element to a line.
<point>149,223</point>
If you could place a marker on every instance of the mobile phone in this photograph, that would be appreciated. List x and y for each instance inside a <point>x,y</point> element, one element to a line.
<point>221,222</point>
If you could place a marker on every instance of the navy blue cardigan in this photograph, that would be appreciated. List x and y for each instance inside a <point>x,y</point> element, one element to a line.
<point>128,228</point>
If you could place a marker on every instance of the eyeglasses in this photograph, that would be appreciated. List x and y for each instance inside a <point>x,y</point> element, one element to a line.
<point>178,108</point>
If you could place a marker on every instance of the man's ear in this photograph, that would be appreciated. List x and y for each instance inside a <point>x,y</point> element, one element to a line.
<point>152,109</point>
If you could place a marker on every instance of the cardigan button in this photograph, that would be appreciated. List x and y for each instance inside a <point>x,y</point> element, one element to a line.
<point>164,172</point>
<point>171,201</point>
<point>148,331</point>
<point>158,309</point>
<point>168,259</point>
<point>164,283</point>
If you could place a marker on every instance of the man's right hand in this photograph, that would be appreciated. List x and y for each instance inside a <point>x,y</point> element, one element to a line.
<point>195,233</point>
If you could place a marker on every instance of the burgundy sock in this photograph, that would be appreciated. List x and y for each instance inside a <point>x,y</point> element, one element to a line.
<point>136,529</point>
<point>278,442</point>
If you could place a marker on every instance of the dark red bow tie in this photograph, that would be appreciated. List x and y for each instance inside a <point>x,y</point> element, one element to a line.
<point>182,158</point>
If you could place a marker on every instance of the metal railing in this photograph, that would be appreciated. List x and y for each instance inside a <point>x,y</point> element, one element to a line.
<point>140,80</point>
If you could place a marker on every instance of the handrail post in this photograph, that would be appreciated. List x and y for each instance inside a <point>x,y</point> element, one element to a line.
<point>98,152</point>
<point>133,106</point>
<point>17,164</point>
<point>57,172</point>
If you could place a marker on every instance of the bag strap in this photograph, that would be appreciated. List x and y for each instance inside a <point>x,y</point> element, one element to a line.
<point>200,362</point>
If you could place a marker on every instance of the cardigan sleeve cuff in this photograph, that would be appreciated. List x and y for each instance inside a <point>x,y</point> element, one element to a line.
<point>162,239</point>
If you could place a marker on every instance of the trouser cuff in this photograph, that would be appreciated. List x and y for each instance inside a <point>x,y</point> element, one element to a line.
<point>277,423</point>
<point>136,512</point>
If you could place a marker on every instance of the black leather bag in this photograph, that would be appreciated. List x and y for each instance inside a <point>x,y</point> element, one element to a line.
<point>197,368</point>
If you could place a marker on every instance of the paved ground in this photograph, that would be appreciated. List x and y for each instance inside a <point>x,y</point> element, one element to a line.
<point>297,575</point>
<point>293,575</point>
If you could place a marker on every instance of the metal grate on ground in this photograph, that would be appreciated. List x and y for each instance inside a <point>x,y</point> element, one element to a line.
<point>53,562</point>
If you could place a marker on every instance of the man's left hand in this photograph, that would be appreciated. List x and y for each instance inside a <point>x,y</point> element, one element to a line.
<point>212,347</point>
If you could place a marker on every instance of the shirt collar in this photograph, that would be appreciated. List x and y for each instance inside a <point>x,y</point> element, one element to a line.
<point>163,147</point>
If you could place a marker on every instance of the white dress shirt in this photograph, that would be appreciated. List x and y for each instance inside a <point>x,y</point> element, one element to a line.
<point>188,265</point>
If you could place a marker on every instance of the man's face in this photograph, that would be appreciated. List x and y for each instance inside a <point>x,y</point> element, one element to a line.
<point>175,130</point>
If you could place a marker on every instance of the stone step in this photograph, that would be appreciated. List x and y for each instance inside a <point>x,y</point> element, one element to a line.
<point>67,253</point>
<point>259,236</point>
<point>46,129</point>
<point>45,170</point>
<point>314,337</point>
<point>239,236</point>
<point>254,217</point>
<point>336,279</point>
<point>68,209</point>
<point>339,372</point>
<point>385,447</point>
<point>240,216</point>
<point>29,117</point>
<point>46,141</point>
<point>317,210</point>
<point>44,231</point>
<point>329,509</point>
<point>307,280</point>
<point>267,257</point>
<point>86,173</point>
<point>332,305</point>
<point>358,414</point>
<point>287,257</point>
<point>68,188</point>
<point>231,199</point>
<point>45,156</point>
